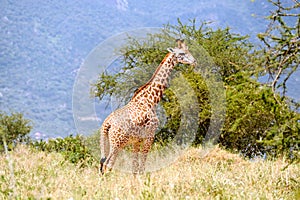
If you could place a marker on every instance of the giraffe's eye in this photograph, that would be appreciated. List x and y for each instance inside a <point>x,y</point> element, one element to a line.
<point>181,54</point>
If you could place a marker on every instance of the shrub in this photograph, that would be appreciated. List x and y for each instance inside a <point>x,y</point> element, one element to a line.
<point>72,148</point>
<point>14,128</point>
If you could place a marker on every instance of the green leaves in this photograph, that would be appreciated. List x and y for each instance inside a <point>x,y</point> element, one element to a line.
<point>105,85</point>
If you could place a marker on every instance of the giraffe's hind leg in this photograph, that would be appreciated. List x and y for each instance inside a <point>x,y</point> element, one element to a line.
<point>101,168</point>
<point>104,151</point>
<point>110,161</point>
<point>104,144</point>
<point>118,139</point>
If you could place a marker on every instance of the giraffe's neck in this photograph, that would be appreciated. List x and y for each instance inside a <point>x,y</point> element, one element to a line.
<point>150,94</point>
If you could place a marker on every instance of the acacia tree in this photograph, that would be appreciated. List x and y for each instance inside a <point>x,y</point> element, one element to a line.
<point>258,118</point>
<point>281,40</point>
<point>281,59</point>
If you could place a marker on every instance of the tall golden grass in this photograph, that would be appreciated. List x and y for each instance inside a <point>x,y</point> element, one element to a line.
<point>218,175</point>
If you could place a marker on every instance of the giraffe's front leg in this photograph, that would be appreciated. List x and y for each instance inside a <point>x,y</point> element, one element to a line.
<point>144,153</point>
<point>150,132</point>
<point>135,162</point>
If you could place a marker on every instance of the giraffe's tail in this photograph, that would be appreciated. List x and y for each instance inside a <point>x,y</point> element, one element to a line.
<point>104,144</point>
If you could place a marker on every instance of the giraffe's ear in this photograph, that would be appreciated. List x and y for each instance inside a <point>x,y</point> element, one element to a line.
<point>179,43</point>
<point>170,50</point>
<point>183,45</point>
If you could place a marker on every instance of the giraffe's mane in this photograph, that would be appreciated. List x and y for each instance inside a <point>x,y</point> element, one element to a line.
<point>156,71</point>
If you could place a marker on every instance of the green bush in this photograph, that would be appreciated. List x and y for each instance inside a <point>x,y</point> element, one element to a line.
<point>255,122</point>
<point>14,128</point>
<point>72,148</point>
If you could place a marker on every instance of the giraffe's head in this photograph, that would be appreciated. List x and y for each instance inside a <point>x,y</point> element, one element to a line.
<point>182,53</point>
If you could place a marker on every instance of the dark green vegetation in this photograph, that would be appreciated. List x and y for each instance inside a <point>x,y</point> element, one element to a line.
<point>73,148</point>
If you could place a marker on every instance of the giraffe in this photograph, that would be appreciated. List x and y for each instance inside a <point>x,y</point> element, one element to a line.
<point>135,123</point>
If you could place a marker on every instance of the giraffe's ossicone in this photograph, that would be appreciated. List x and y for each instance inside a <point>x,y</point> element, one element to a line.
<point>135,123</point>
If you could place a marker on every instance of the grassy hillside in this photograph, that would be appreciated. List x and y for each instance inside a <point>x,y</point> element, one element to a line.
<point>29,174</point>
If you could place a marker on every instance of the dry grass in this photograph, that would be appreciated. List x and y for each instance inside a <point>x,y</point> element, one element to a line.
<point>218,175</point>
